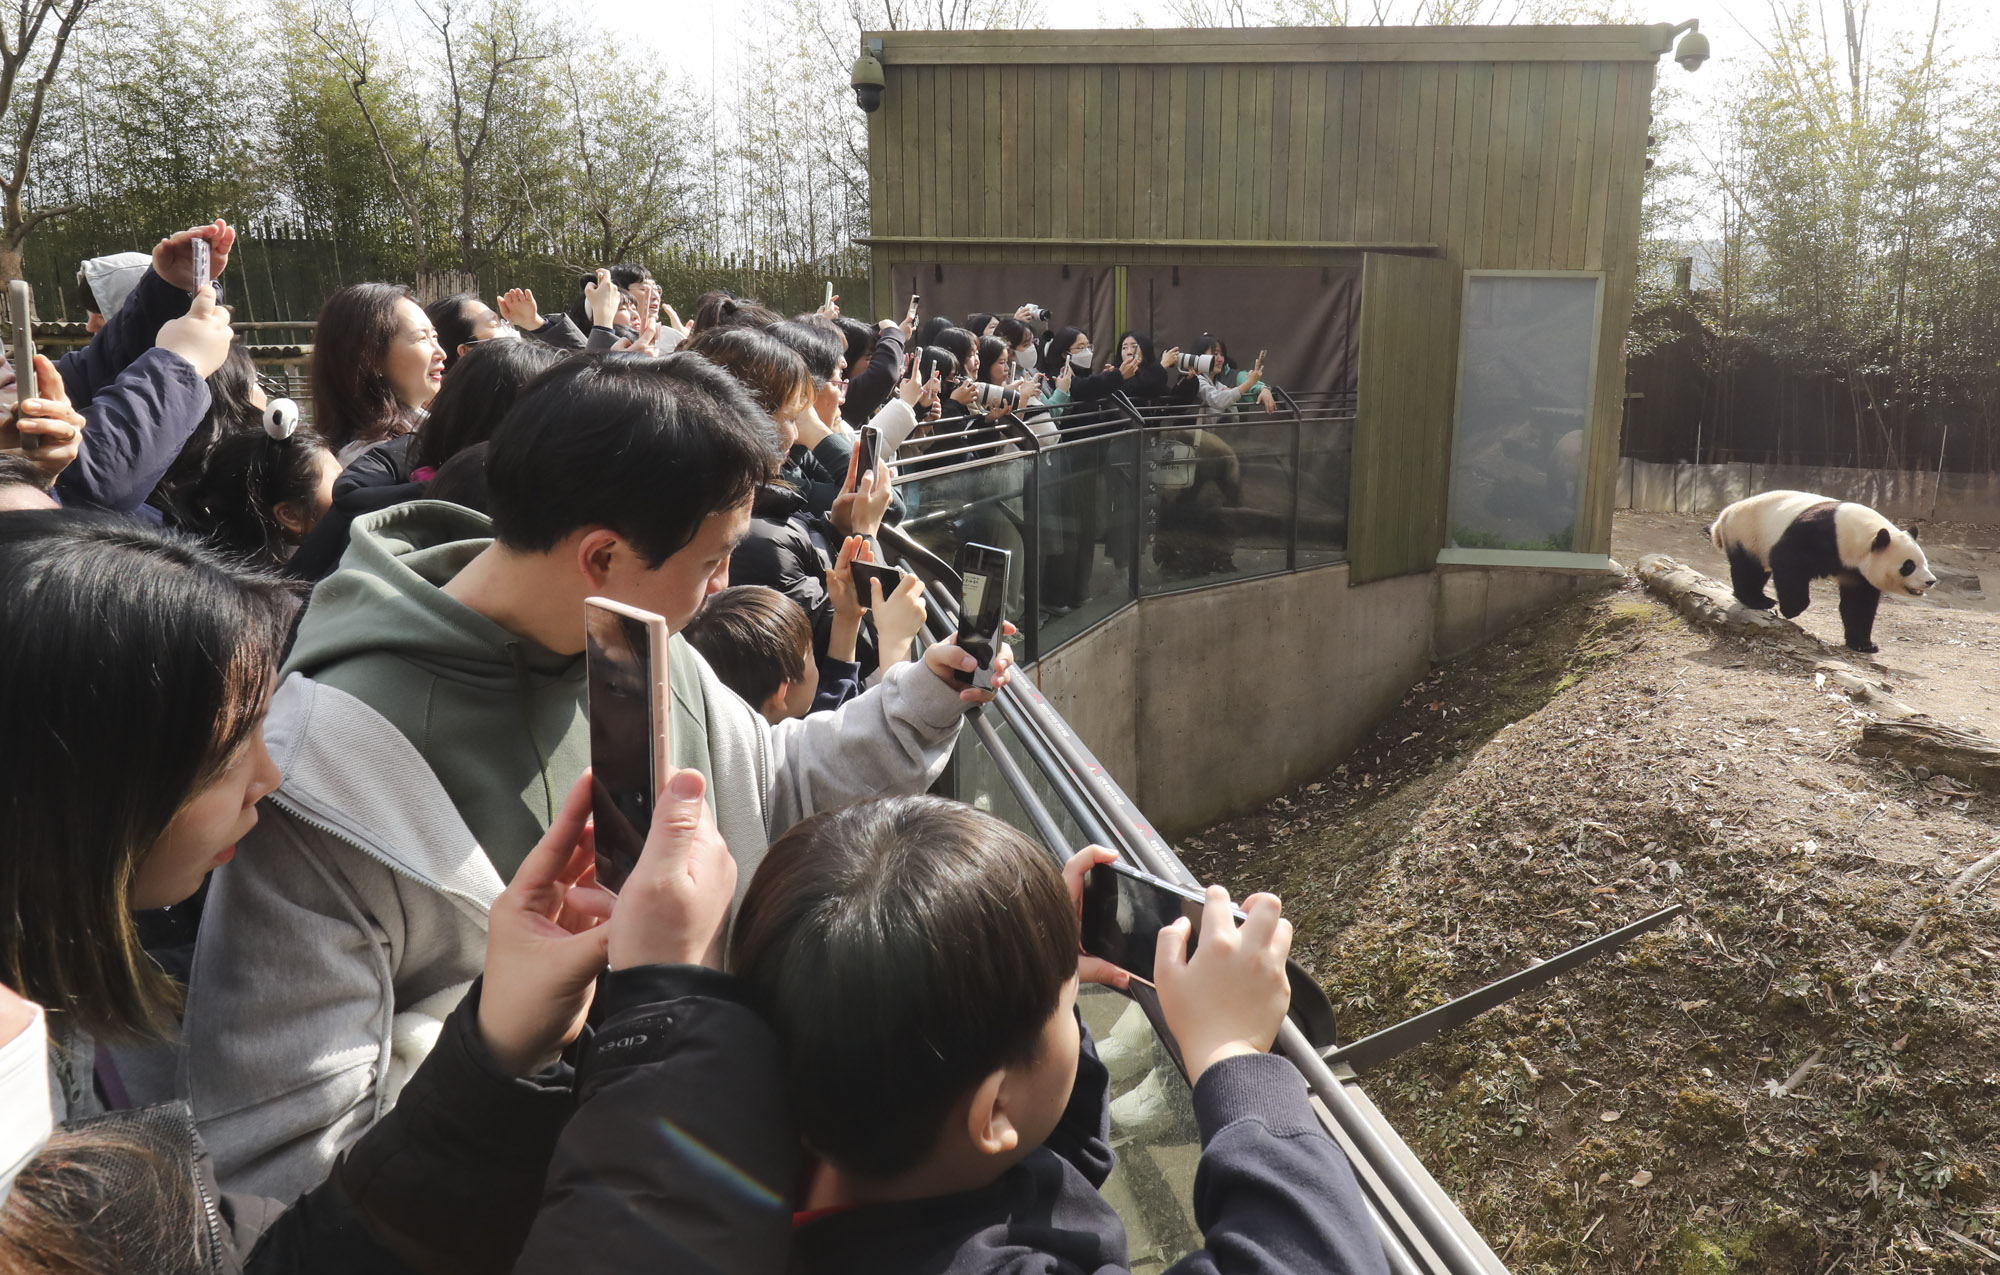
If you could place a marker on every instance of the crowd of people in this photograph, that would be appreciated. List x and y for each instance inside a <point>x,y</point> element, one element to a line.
<point>306,967</point>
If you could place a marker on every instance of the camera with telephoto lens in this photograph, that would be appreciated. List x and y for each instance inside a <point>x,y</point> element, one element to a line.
<point>987,396</point>
<point>1199,364</point>
<point>1040,313</point>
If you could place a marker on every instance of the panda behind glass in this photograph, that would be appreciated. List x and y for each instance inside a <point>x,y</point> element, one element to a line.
<point>1794,537</point>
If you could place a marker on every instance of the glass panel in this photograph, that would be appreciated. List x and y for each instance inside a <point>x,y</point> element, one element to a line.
<point>1218,503</point>
<point>979,783</point>
<point>1086,532</point>
<point>981,504</point>
<point>1326,465</point>
<point>1524,396</point>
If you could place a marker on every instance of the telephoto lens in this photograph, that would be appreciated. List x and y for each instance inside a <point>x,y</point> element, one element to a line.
<point>1040,312</point>
<point>988,395</point>
<point>1199,364</point>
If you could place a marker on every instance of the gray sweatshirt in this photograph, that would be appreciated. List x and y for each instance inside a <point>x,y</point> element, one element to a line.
<point>411,731</point>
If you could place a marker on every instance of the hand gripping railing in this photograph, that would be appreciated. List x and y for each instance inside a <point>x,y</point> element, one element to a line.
<point>1422,1231</point>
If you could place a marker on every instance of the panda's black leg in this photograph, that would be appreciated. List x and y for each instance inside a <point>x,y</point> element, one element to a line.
<point>1747,576</point>
<point>1794,582</point>
<point>1858,600</point>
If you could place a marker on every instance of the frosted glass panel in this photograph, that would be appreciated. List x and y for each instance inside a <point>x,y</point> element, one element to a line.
<point>1525,360</point>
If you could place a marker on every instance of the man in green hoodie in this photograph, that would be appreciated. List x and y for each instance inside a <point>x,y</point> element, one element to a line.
<point>433,715</point>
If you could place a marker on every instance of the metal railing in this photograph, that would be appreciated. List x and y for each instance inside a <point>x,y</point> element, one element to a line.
<point>1025,765</point>
<point>1106,502</point>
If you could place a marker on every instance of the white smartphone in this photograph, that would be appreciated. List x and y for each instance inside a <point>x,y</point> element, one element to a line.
<point>625,669</point>
<point>202,276</point>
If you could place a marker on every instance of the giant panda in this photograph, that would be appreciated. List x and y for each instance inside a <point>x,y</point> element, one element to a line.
<point>1795,537</point>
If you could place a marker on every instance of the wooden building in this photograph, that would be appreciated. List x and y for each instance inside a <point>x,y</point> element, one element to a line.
<point>1444,220</point>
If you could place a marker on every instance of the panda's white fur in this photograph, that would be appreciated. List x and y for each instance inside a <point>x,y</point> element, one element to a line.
<point>1795,537</point>
<point>1757,523</point>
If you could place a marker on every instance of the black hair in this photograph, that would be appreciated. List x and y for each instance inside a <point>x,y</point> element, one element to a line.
<point>935,358</point>
<point>138,660</point>
<point>462,480</point>
<point>16,470</point>
<point>1014,332</point>
<point>233,504</point>
<point>352,398</point>
<point>647,447</point>
<point>579,309</point>
<point>476,393</point>
<point>724,310</point>
<point>1055,351</point>
<point>453,328</point>
<point>903,949</point>
<point>771,370</point>
<point>859,339</point>
<point>976,323</point>
<point>820,347</point>
<point>963,345</point>
<point>755,638</point>
<point>1147,355</point>
<point>991,351</point>
<point>86,296</point>
<point>926,333</point>
<point>229,412</point>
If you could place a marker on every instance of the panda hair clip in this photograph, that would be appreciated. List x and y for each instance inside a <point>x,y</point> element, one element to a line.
<point>281,418</point>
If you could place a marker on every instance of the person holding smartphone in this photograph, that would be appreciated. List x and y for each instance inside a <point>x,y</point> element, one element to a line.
<point>432,716</point>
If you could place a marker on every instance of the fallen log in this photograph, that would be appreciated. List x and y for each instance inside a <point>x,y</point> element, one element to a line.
<point>1943,750</point>
<point>1710,602</point>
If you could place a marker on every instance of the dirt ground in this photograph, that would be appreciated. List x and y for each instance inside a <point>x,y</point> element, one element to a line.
<point>1799,1075</point>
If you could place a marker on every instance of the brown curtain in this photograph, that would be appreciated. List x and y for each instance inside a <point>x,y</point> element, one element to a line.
<point>1307,317</point>
<point>1073,294</point>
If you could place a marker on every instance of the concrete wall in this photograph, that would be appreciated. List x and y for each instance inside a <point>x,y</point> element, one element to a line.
<point>1678,488</point>
<point>1208,703</point>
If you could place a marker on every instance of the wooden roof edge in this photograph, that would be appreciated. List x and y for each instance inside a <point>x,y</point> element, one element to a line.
<point>1181,46</point>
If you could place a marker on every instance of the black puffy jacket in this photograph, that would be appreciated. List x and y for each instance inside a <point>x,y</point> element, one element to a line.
<point>790,548</point>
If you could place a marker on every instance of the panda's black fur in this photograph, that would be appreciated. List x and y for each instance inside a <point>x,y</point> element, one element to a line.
<point>1809,547</point>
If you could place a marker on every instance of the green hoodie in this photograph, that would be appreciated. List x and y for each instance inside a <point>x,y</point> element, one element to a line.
<point>501,720</point>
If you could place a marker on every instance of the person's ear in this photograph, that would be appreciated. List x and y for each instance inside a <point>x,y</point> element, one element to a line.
<point>290,515</point>
<point>463,346</point>
<point>597,555</point>
<point>986,1118</point>
<point>773,707</point>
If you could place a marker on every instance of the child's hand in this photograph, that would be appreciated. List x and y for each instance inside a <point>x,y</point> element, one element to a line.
<point>1091,969</point>
<point>898,618</point>
<point>1231,997</point>
<point>840,581</point>
<point>947,658</point>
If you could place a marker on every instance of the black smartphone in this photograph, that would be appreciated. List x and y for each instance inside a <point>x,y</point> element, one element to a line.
<point>863,572</point>
<point>625,671</point>
<point>980,619</point>
<point>1124,911</point>
<point>868,452</point>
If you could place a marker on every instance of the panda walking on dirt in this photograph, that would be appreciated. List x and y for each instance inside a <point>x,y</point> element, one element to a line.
<point>1795,537</point>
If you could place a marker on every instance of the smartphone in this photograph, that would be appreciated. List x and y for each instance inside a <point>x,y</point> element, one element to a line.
<point>980,619</point>
<point>1124,911</point>
<point>828,303</point>
<point>202,277</point>
<point>863,572</point>
<point>869,452</point>
<point>625,671</point>
<point>20,313</point>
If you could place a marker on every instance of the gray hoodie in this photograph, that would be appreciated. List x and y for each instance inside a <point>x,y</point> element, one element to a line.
<point>411,732</point>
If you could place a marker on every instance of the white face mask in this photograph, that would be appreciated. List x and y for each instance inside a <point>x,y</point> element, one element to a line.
<point>1025,357</point>
<point>1080,360</point>
<point>25,1120</point>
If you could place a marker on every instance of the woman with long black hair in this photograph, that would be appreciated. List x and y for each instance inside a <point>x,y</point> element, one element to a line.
<point>376,366</point>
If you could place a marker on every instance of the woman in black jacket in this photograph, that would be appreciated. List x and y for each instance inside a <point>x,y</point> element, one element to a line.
<point>1136,373</point>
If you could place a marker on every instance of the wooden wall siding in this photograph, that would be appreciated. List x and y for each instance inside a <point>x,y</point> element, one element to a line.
<point>1403,416</point>
<point>1507,165</point>
<point>1492,148</point>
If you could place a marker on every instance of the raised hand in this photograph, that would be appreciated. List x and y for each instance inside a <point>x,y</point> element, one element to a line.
<point>55,427</point>
<point>518,308</point>
<point>173,259</point>
<point>674,907</point>
<point>201,336</point>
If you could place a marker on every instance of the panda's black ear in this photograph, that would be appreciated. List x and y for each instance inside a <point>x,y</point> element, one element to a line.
<point>1911,530</point>
<point>1881,540</point>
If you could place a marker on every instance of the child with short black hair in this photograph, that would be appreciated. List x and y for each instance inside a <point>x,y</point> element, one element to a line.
<point>919,961</point>
<point>760,642</point>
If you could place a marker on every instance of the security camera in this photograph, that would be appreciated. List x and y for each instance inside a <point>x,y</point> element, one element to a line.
<point>867,81</point>
<point>1692,51</point>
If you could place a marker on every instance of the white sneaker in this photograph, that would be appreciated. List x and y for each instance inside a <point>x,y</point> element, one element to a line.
<point>1127,1049</point>
<point>1146,1112</point>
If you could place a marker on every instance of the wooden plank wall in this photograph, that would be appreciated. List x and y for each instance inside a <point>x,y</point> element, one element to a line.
<point>1403,420</point>
<point>1489,164</point>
